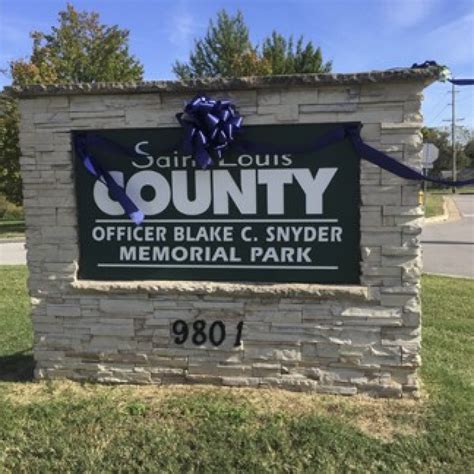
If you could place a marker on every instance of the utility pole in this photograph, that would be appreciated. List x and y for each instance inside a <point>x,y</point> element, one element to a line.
<point>453,133</point>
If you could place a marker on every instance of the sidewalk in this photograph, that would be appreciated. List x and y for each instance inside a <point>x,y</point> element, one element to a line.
<point>448,247</point>
<point>12,252</point>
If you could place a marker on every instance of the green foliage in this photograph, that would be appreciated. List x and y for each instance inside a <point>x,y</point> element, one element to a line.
<point>284,58</point>
<point>65,427</point>
<point>10,211</point>
<point>440,138</point>
<point>469,152</point>
<point>227,51</point>
<point>10,178</point>
<point>79,49</point>
<point>136,408</point>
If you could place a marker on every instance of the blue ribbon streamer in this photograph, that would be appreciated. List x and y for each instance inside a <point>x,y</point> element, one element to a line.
<point>210,128</point>
<point>392,165</point>
<point>117,191</point>
<point>352,131</point>
<point>337,134</point>
<point>462,82</point>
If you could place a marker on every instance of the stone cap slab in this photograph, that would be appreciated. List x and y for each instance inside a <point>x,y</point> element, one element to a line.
<point>250,289</point>
<point>426,75</point>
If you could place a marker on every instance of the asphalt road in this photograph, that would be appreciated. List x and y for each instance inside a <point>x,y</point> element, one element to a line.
<point>448,247</point>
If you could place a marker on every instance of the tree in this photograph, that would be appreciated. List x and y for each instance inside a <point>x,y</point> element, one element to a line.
<point>10,179</point>
<point>285,59</point>
<point>79,49</point>
<point>226,50</point>
<point>440,138</point>
<point>469,152</point>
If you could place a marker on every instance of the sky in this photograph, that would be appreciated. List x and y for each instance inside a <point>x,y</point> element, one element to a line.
<point>357,35</point>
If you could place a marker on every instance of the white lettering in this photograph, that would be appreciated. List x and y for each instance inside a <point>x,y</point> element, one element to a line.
<point>314,188</point>
<point>139,151</point>
<point>127,253</point>
<point>159,184</point>
<point>275,181</point>
<point>98,234</point>
<point>244,234</point>
<point>180,186</point>
<point>102,198</point>
<point>224,187</point>
<point>195,193</point>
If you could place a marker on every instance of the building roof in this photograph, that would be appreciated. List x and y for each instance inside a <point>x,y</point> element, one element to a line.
<point>426,75</point>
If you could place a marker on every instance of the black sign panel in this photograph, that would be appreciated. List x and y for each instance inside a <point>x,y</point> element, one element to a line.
<point>268,217</point>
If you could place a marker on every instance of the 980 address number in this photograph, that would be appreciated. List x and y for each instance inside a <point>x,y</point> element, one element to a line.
<point>200,333</point>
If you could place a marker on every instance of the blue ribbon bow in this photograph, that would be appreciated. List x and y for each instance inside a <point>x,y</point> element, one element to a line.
<point>210,126</point>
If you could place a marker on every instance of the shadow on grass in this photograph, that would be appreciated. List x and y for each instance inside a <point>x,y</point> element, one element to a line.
<point>17,367</point>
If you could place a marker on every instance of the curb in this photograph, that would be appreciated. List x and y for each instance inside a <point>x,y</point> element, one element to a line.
<point>13,240</point>
<point>447,275</point>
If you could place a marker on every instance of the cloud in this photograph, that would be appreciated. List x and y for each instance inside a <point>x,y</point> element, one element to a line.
<point>182,29</point>
<point>407,13</point>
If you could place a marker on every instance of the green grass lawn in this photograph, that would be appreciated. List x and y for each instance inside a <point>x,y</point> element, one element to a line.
<point>11,229</point>
<point>71,427</point>
<point>433,204</point>
<point>448,190</point>
<point>465,190</point>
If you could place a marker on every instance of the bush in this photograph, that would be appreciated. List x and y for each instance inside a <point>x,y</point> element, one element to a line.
<point>10,211</point>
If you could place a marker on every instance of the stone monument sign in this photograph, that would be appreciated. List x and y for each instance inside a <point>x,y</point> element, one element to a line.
<point>269,268</point>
